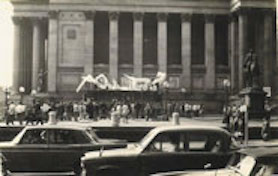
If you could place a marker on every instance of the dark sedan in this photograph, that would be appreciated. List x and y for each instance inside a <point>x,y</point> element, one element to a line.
<point>51,148</point>
<point>169,148</point>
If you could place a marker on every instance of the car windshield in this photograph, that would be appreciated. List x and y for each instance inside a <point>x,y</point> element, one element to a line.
<point>147,138</point>
<point>92,134</point>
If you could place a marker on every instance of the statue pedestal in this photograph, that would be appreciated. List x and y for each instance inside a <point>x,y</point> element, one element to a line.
<point>254,99</point>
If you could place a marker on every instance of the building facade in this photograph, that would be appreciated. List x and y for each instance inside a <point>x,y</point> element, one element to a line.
<point>197,43</point>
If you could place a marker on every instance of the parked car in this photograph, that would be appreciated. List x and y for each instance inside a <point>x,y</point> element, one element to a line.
<point>51,148</point>
<point>164,149</point>
<point>252,162</point>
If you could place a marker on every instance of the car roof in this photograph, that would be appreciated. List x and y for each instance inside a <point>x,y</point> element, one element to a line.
<point>190,127</point>
<point>58,126</point>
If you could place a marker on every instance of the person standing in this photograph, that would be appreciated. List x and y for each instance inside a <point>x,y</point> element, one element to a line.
<point>75,111</point>
<point>11,114</point>
<point>125,112</point>
<point>90,110</point>
<point>37,113</point>
<point>20,112</point>
<point>148,111</point>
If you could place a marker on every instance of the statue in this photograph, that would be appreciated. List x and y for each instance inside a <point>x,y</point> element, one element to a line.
<point>251,70</point>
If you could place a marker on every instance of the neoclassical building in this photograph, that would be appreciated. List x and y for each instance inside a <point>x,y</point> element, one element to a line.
<point>197,43</point>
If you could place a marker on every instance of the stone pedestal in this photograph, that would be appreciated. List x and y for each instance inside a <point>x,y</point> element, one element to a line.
<point>254,99</point>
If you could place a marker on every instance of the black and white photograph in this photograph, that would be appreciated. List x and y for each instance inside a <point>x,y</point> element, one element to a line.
<point>138,87</point>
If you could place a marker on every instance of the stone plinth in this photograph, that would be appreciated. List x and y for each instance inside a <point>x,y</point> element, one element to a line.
<point>254,98</point>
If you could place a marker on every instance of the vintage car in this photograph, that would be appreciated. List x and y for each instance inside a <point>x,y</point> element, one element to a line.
<point>168,148</point>
<point>51,148</point>
<point>251,162</point>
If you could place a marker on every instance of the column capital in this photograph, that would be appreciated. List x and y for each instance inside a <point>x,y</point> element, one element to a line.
<point>162,16</point>
<point>138,16</point>
<point>186,17</point>
<point>53,14</point>
<point>17,20</point>
<point>244,11</point>
<point>209,18</point>
<point>90,15</point>
<point>113,15</point>
<point>36,20</point>
<point>269,12</point>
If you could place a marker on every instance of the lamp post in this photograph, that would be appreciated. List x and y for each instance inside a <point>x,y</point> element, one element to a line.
<point>21,92</point>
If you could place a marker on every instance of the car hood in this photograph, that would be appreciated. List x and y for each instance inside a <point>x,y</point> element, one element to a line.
<point>129,151</point>
<point>219,172</point>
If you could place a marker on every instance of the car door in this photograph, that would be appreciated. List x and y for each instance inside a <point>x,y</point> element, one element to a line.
<point>30,154</point>
<point>66,146</point>
<point>161,154</point>
<point>202,150</point>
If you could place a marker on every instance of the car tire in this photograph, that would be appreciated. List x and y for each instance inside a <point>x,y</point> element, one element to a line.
<point>77,168</point>
<point>110,172</point>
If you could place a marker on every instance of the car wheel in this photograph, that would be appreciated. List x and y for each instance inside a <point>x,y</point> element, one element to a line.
<point>77,168</point>
<point>110,172</point>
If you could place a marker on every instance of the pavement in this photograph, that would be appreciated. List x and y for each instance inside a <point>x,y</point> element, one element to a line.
<point>211,120</point>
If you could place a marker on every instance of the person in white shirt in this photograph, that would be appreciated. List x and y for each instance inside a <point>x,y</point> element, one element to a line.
<point>20,112</point>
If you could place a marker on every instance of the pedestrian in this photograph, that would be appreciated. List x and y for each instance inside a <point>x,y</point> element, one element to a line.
<point>20,112</point>
<point>69,111</point>
<point>60,110</point>
<point>90,110</point>
<point>125,112</point>
<point>265,131</point>
<point>29,115</point>
<point>38,113</point>
<point>82,110</point>
<point>11,114</point>
<point>148,112</point>
<point>75,111</point>
<point>45,108</point>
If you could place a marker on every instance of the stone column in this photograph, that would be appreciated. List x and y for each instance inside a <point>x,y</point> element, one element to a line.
<point>209,52</point>
<point>162,42</point>
<point>36,52</point>
<point>52,51</point>
<point>113,45</point>
<point>233,58</point>
<point>242,45</point>
<point>89,43</point>
<point>16,59</point>
<point>186,50</point>
<point>268,49</point>
<point>138,44</point>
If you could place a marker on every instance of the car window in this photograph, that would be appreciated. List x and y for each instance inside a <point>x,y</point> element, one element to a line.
<point>205,142</point>
<point>166,142</point>
<point>34,136</point>
<point>61,136</point>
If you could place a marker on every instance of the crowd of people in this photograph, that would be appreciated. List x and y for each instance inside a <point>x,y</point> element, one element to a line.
<point>234,117</point>
<point>90,109</point>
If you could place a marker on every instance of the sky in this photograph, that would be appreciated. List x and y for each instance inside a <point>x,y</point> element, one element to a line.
<point>6,43</point>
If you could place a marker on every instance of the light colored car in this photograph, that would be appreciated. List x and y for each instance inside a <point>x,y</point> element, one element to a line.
<point>51,148</point>
<point>251,162</point>
<point>164,149</point>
